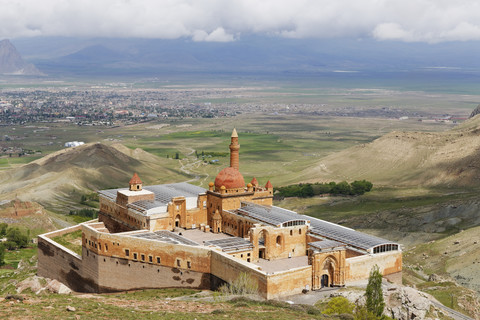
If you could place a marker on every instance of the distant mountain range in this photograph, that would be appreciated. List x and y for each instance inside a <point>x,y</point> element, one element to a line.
<point>147,57</point>
<point>11,62</point>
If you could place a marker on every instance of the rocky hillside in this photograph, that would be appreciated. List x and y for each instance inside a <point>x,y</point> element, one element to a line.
<point>27,215</point>
<point>409,159</point>
<point>83,169</point>
<point>11,62</point>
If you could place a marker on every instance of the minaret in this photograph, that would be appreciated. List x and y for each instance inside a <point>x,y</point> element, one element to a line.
<point>234,148</point>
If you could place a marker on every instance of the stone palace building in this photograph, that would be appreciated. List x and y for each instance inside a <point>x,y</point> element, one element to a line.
<point>181,235</point>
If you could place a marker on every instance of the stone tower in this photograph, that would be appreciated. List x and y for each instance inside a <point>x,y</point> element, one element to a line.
<point>234,148</point>
<point>229,191</point>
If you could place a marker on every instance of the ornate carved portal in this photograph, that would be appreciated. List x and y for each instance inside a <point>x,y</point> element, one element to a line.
<point>327,269</point>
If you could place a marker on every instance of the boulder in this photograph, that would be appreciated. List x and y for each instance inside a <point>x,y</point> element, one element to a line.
<point>32,283</point>
<point>56,286</point>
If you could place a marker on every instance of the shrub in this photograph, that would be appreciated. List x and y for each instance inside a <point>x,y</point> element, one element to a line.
<point>2,254</point>
<point>18,237</point>
<point>339,305</point>
<point>3,229</point>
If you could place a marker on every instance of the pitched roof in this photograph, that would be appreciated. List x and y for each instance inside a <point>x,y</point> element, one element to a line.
<point>135,179</point>
<point>254,182</point>
<point>268,185</point>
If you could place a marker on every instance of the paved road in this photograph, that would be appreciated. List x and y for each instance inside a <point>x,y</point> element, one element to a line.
<point>452,313</point>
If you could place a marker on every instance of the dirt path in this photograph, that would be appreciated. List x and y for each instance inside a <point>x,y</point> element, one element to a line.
<point>189,164</point>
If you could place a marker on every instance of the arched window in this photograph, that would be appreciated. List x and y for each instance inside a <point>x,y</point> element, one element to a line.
<point>279,240</point>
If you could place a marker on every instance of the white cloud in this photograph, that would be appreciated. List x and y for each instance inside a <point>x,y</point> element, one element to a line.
<point>220,20</point>
<point>217,35</point>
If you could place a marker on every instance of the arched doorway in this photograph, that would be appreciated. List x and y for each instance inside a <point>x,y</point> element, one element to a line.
<point>324,281</point>
<point>329,272</point>
<point>177,221</point>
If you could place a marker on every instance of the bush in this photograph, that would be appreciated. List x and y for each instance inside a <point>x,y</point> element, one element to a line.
<point>2,254</point>
<point>339,305</point>
<point>361,313</point>
<point>18,237</point>
<point>3,229</point>
<point>10,245</point>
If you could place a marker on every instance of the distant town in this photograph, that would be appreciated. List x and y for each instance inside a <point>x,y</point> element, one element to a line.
<point>103,106</point>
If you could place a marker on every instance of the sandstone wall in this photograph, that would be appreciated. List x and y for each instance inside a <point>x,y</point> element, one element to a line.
<point>358,268</point>
<point>57,262</point>
<point>145,250</point>
<point>117,274</point>
<point>269,285</point>
<point>289,282</point>
<point>228,269</point>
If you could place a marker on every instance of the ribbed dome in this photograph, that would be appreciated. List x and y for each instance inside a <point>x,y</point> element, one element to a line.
<point>229,177</point>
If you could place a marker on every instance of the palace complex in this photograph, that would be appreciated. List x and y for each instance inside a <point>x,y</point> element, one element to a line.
<point>181,235</point>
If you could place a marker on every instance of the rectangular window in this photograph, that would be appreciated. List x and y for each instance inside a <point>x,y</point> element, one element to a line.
<point>106,247</point>
<point>158,259</point>
<point>189,264</point>
<point>150,259</point>
<point>178,262</point>
<point>143,257</point>
<point>135,256</point>
<point>127,252</point>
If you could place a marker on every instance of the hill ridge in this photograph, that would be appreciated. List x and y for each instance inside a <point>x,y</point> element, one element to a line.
<point>408,158</point>
<point>52,179</point>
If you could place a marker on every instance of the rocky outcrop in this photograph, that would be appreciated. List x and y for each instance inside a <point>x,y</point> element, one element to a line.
<point>39,284</point>
<point>12,63</point>
<point>401,302</point>
<point>475,112</point>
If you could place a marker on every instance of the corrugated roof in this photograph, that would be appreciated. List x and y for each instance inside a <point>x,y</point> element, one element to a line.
<point>276,216</point>
<point>163,194</point>
<point>231,244</point>
<point>326,244</point>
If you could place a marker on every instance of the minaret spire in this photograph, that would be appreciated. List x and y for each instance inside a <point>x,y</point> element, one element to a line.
<point>234,148</point>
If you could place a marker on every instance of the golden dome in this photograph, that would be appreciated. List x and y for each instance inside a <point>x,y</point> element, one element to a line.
<point>229,177</point>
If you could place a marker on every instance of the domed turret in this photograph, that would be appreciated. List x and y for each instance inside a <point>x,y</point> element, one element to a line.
<point>230,178</point>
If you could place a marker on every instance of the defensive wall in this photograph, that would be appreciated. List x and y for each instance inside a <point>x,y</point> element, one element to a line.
<point>118,262</point>
<point>270,285</point>
<point>105,267</point>
<point>58,262</point>
<point>389,263</point>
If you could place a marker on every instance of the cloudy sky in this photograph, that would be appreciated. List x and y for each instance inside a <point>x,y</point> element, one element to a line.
<point>429,21</point>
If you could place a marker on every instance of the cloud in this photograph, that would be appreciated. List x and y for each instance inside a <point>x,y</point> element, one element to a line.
<point>217,35</point>
<point>223,21</point>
